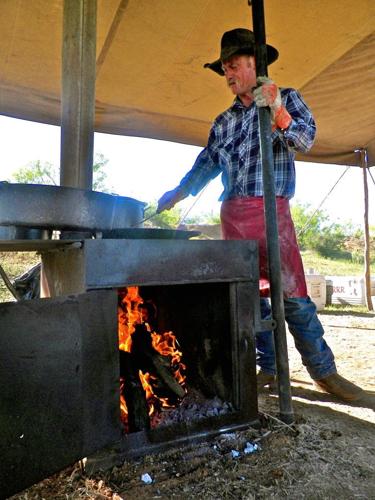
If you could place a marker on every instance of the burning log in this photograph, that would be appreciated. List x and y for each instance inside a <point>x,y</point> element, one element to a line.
<point>149,360</point>
<point>150,363</point>
<point>138,418</point>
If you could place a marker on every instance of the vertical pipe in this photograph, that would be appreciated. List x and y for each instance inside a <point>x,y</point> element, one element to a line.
<point>367,269</point>
<point>273,250</point>
<point>78,93</point>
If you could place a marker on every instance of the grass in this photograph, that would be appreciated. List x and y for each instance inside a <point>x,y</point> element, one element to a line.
<point>347,309</point>
<point>15,264</point>
<point>330,267</point>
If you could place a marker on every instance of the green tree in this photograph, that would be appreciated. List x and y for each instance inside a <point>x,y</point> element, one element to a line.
<point>316,232</point>
<point>100,175</point>
<point>169,219</point>
<point>308,224</point>
<point>203,218</point>
<point>331,242</point>
<point>37,172</point>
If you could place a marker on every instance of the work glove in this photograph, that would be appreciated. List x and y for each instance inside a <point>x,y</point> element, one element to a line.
<point>268,94</point>
<point>169,199</point>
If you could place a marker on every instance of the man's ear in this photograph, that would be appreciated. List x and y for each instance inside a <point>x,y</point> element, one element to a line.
<point>252,62</point>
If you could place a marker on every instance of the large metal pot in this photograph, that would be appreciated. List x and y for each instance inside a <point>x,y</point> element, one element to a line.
<point>57,207</point>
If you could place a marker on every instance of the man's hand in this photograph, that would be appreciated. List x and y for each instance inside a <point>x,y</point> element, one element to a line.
<point>169,199</point>
<point>268,94</point>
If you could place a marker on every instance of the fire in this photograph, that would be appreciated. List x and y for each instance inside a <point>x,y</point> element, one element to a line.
<point>128,316</point>
<point>133,311</point>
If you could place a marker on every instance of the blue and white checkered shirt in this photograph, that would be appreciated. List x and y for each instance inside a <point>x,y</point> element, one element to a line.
<point>233,150</point>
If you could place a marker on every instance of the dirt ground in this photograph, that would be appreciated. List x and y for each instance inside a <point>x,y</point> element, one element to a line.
<point>329,453</point>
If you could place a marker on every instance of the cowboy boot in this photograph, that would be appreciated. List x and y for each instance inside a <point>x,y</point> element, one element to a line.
<point>340,387</point>
<point>265,379</point>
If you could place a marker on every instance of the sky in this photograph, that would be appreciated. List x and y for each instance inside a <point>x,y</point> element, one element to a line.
<point>145,168</point>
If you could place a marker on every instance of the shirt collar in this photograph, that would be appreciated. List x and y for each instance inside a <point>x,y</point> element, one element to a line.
<point>238,106</point>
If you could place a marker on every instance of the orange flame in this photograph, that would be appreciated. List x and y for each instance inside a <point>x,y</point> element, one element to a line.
<point>129,315</point>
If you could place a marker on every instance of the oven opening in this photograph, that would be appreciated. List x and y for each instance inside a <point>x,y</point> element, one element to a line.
<point>175,350</point>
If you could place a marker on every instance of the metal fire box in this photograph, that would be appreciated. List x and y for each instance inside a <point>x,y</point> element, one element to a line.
<point>59,392</point>
<point>59,355</point>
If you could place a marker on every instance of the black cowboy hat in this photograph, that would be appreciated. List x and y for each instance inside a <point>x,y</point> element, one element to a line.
<point>237,42</point>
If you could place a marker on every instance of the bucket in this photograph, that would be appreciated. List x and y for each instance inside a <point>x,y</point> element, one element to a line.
<point>316,289</point>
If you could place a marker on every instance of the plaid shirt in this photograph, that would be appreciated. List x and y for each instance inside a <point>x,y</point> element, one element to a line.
<point>233,150</point>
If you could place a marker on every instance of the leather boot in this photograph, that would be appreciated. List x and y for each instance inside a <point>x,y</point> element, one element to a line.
<point>264,379</point>
<point>340,387</point>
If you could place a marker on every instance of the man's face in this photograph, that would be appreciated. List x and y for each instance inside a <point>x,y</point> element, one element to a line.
<point>240,74</point>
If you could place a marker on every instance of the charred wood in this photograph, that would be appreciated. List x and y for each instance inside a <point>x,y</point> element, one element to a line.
<point>149,360</point>
<point>135,397</point>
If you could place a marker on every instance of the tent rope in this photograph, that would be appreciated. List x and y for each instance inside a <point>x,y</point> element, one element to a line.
<point>369,171</point>
<point>307,224</point>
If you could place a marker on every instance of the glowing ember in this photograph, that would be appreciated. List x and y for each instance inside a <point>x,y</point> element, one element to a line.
<point>133,311</point>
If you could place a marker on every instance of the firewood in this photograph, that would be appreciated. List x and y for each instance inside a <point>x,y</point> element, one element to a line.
<point>149,360</point>
<point>135,397</point>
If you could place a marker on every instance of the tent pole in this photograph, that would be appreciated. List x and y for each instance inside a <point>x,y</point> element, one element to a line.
<point>364,166</point>
<point>273,249</point>
<point>78,93</point>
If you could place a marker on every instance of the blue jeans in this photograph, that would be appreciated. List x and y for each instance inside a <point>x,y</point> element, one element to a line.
<point>304,325</point>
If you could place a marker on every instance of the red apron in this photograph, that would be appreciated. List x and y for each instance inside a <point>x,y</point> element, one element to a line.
<point>243,219</point>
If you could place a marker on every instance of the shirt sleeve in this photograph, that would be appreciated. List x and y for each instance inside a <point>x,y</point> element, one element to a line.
<point>203,170</point>
<point>300,134</point>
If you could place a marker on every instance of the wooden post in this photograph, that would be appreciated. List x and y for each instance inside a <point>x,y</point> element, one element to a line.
<point>364,165</point>
<point>78,93</point>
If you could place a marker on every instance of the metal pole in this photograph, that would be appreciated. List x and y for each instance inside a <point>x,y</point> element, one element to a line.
<point>78,93</point>
<point>273,250</point>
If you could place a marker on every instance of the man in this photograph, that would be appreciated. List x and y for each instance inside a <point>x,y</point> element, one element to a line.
<point>233,151</point>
